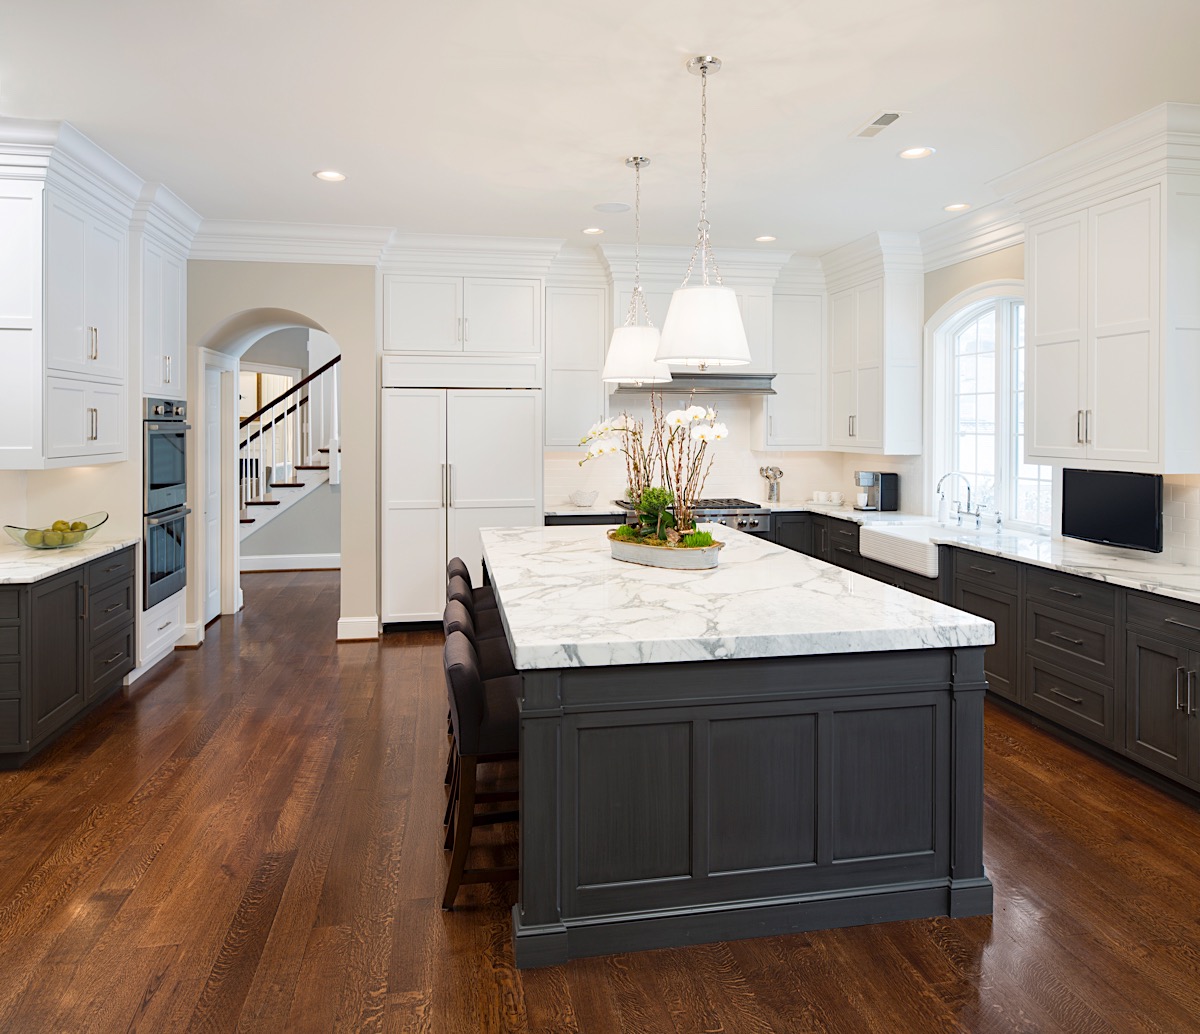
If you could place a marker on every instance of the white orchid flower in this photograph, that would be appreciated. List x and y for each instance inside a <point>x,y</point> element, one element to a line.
<point>703,433</point>
<point>695,413</point>
<point>710,414</point>
<point>677,418</point>
<point>719,432</point>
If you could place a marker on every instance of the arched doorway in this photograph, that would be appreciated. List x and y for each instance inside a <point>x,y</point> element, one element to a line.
<point>219,455</point>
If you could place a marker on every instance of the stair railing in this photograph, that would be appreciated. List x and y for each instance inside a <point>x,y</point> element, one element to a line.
<point>283,441</point>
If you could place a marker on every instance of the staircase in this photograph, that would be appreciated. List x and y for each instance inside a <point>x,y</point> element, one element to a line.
<point>289,447</point>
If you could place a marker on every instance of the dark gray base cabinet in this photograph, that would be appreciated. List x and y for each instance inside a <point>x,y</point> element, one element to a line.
<point>560,520</point>
<point>65,644</point>
<point>987,587</point>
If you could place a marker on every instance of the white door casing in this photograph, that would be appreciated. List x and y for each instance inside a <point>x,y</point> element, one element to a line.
<point>211,514</point>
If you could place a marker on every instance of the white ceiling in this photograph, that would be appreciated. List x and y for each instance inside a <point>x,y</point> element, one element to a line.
<point>513,118</point>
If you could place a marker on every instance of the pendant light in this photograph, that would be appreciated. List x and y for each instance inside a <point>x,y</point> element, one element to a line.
<point>631,352</point>
<point>704,324</point>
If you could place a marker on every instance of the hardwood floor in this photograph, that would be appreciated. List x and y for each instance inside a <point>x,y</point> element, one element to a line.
<point>250,839</point>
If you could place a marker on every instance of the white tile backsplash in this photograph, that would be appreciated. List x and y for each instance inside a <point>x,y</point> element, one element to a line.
<point>1181,518</point>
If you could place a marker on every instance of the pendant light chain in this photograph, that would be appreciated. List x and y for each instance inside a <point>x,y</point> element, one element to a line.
<point>637,298</point>
<point>703,246</point>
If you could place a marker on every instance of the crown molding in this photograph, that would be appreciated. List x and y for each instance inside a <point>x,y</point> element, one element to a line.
<point>1162,140</point>
<point>65,159</point>
<point>234,240</point>
<point>460,255</point>
<point>878,254</point>
<point>803,274</point>
<point>979,232</point>
<point>160,214</point>
<point>668,262</point>
<point>577,266</point>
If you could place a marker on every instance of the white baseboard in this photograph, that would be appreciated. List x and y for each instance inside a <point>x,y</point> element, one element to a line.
<point>292,562</point>
<point>150,662</point>
<point>358,628</point>
<point>193,634</point>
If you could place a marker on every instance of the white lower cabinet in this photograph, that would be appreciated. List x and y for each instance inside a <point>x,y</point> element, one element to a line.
<point>453,460</point>
<point>159,629</point>
<point>85,421</point>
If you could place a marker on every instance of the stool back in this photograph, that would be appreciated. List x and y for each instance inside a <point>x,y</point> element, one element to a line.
<point>458,588</point>
<point>465,688</point>
<point>456,618</point>
<point>457,567</point>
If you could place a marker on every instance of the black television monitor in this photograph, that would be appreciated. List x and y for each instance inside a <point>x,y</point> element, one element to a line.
<point>1114,508</point>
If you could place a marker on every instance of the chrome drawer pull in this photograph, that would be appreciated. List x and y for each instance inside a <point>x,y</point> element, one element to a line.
<point>843,549</point>
<point>1059,693</point>
<point>1067,639</point>
<point>1181,624</point>
<point>1191,696</point>
<point>167,625</point>
<point>983,570</point>
<point>115,657</point>
<point>109,610</point>
<point>1066,592</point>
<point>1179,689</point>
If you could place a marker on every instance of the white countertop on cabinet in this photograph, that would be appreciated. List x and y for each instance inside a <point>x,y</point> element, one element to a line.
<point>567,603</point>
<point>20,565</point>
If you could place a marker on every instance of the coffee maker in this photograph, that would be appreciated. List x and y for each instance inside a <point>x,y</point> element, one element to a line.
<point>882,490</point>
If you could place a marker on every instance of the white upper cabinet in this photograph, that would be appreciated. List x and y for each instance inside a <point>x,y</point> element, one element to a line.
<point>64,300</point>
<point>1112,317</point>
<point>576,340</point>
<point>1093,379</point>
<point>465,315</point>
<point>755,304</point>
<point>164,312</point>
<point>875,328</point>
<point>85,300</point>
<point>795,413</point>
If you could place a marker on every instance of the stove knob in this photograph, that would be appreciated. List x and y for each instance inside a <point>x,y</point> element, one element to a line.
<point>754,522</point>
<point>160,410</point>
<point>741,522</point>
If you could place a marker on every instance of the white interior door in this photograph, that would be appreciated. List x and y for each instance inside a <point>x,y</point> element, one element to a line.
<point>495,464</point>
<point>413,491</point>
<point>212,493</point>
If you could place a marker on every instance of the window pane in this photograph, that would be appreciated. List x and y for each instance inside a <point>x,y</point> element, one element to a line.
<point>987,331</point>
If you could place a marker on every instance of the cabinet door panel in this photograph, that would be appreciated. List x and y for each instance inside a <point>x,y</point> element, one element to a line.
<point>1057,278</point>
<point>56,652</point>
<point>1000,661</point>
<point>501,315</point>
<point>870,324</point>
<point>422,314</point>
<point>868,410</point>
<point>1123,235</point>
<point>795,412</point>
<point>755,306</point>
<point>1053,400</point>
<point>68,423</point>
<point>841,406</point>
<point>174,315</point>
<point>575,346</point>
<point>1123,402</point>
<point>154,366</point>
<point>104,299</point>
<point>1155,725</point>
<point>413,535</point>
<point>495,462</point>
<point>109,421</point>
<point>67,339</point>
<point>843,329</point>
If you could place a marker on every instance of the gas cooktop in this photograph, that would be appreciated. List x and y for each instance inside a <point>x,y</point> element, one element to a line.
<point>708,505</point>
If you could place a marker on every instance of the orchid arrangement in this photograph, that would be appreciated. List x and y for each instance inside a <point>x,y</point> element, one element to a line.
<point>674,452</point>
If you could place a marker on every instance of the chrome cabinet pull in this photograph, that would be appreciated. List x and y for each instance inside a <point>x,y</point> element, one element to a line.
<point>115,657</point>
<point>466,329</point>
<point>843,549</point>
<point>1066,592</point>
<point>1181,624</point>
<point>1079,427</point>
<point>1191,694</point>
<point>164,625</point>
<point>109,610</point>
<point>1066,696</point>
<point>982,570</point>
<point>449,484</point>
<point>1179,689</point>
<point>1067,639</point>
<point>443,496</point>
<point>460,330</point>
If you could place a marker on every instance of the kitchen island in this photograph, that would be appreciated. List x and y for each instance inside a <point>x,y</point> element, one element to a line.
<point>772,746</point>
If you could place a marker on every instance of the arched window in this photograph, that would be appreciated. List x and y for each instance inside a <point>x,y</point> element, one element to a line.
<point>982,357</point>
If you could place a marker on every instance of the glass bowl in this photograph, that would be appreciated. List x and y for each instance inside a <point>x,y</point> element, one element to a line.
<point>64,540</point>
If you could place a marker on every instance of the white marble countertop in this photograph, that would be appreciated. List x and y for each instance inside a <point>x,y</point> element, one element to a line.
<point>20,565</point>
<point>567,603</point>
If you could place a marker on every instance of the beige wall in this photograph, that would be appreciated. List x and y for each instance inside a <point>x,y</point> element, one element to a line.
<point>943,284</point>
<point>342,300</point>
<point>12,497</point>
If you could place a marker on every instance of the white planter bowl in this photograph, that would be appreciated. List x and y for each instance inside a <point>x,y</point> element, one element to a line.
<point>674,558</point>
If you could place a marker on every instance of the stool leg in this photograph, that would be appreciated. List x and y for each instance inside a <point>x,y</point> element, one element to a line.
<point>451,801</point>
<point>462,832</point>
<point>449,764</point>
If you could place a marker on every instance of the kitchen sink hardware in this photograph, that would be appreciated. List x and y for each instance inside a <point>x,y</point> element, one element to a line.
<point>731,512</point>
<point>882,490</point>
<point>773,476</point>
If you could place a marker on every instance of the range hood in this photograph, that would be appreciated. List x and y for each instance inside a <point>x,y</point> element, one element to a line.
<point>706,384</point>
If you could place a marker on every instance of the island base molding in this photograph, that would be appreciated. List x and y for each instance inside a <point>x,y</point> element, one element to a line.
<point>554,945</point>
<point>674,804</point>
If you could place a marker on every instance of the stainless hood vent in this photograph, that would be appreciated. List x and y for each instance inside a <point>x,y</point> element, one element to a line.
<point>706,384</point>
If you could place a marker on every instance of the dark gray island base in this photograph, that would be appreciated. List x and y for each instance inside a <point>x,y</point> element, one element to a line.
<point>682,803</point>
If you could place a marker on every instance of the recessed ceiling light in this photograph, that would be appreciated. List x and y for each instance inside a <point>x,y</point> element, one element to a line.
<point>593,230</point>
<point>330,175</point>
<point>917,152</point>
<point>958,206</point>
<point>611,207</point>
<point>764,240</point>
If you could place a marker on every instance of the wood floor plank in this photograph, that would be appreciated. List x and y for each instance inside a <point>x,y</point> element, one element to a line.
<point>249,839</point>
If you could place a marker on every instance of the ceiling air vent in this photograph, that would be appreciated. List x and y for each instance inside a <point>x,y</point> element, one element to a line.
<point>877,125</point>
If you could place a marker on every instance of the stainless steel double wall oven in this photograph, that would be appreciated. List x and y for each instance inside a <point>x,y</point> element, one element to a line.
<point>164,546</point>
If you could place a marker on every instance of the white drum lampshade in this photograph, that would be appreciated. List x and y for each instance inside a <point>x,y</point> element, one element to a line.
<point>631,359</point>
<point>704,328</point>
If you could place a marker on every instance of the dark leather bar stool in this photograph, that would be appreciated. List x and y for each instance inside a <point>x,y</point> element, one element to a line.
<point>487,619</point>
<point>486,728</point>
<point>482,596</point>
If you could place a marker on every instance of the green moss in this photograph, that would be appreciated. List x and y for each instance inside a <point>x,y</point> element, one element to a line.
<point>697,539</point>
<point>626,533</point>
